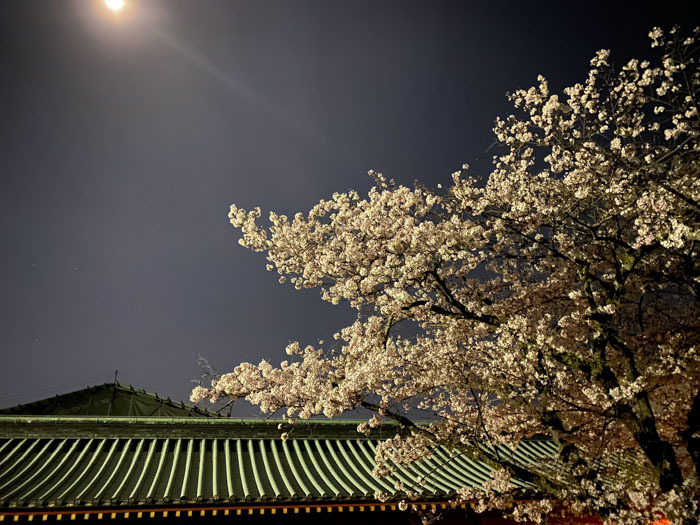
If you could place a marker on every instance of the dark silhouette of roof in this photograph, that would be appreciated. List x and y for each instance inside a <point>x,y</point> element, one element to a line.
<point>110,399</point>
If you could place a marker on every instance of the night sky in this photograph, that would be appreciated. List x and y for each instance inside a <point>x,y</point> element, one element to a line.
<point>124,138</point>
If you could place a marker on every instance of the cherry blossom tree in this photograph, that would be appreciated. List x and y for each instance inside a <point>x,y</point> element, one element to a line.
<point>556,297</point>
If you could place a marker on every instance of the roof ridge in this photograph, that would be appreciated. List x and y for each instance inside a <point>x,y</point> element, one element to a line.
<point>81,401</point>
<point>176,404</point>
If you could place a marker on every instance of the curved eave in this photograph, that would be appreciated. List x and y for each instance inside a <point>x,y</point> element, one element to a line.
<point>85,463</point>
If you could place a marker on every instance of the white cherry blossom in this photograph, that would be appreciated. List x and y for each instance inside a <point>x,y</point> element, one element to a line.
<point>559,298</point>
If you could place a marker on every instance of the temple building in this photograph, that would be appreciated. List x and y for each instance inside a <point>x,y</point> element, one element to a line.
<point>111,452</point>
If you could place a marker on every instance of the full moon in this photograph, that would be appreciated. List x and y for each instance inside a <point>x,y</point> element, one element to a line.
<point>115,5</point>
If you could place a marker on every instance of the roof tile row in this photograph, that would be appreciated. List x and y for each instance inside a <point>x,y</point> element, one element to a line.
<point>82,471</point>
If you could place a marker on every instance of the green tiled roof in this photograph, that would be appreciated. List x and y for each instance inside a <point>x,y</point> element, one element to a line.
<point>65,462</point>
<point>110,399</point>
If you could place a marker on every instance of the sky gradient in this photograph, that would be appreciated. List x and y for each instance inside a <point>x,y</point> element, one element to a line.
<point>125,137</point>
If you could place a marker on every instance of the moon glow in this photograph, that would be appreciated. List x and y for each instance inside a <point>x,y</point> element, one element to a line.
<point>115,5</point>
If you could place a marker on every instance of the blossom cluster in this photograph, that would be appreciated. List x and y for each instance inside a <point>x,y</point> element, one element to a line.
<point>559,298</point>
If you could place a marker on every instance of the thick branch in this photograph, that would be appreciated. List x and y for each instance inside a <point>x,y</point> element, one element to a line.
<point>490,320</point>
<point>692,433</point>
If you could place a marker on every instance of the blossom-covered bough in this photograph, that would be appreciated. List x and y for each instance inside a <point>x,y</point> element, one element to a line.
<point>559,297</point>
